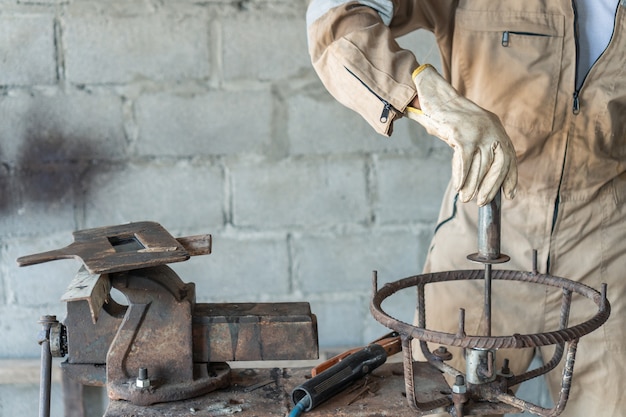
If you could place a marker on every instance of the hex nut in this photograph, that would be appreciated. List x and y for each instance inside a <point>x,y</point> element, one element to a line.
<point>58,340</point>
<point>459,389</point>
<point>442,353</point>
<point>142,383</point>
<point>459,386</point>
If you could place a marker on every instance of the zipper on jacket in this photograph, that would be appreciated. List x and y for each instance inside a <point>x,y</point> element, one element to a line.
<point>506,34</point>
<point>575,109</point>
<point>576,104</point>
<point>576,101</point>
<point>384,115</point>
<point>577,88</point>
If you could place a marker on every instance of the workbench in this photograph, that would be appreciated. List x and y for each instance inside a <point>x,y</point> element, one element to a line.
<point>267,392</point>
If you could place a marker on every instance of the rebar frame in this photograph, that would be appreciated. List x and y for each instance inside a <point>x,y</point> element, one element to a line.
<point>498,390</point>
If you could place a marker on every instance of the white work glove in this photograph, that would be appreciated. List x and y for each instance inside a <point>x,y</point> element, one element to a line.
<point>484,158</point>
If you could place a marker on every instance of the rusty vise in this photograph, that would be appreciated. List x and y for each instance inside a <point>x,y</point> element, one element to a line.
<point>159,345</point>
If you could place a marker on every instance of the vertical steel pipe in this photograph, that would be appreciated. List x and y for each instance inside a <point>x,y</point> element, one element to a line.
<point>489,229</point>
<point>45,380</point>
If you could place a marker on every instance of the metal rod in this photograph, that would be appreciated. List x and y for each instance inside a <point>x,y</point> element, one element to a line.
<point>375,281</point>
<point>45,380</point>
<point>409,380</point>
<point>566,385</point>
<point>566,302</point>
<point>460,333</point>
<point>566,382</point>
<point>486,328</point>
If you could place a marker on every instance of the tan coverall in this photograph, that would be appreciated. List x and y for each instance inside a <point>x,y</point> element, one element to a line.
<point>518,60</point>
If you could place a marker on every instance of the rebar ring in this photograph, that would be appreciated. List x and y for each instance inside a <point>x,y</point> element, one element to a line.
<point>516,341</point>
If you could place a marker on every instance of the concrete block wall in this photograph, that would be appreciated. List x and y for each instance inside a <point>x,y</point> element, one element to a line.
<point>207,117</point>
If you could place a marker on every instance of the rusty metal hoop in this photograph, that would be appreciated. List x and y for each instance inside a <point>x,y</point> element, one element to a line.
<point>516,341</point>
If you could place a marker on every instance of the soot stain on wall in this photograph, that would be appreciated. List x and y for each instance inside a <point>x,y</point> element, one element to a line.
<point>52,169</point>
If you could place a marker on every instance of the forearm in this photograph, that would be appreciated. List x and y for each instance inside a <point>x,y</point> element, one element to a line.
<point>361,65</point>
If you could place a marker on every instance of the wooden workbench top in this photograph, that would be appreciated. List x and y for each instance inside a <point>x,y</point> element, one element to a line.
<point>267,392</point>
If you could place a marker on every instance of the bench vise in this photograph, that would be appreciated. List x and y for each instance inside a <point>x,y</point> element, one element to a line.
<point>159,345</point>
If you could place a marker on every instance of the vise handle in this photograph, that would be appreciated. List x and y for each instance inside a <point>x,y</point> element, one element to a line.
<point>390,342</point>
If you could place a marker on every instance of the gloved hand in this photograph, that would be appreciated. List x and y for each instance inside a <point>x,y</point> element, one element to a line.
<point>484,158</point>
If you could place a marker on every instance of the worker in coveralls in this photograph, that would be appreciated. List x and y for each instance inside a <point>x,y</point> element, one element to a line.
<point>532,98</point>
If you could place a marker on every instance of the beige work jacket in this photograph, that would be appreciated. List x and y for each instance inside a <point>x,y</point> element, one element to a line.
<point>514,58</point>
<point>518,60</point>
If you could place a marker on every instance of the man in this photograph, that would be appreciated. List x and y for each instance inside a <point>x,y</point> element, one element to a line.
<point>532,98</point>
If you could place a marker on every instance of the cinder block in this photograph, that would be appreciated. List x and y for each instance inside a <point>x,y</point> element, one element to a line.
<point>240,269</point>
<point>422,44</point>
<point>40,2</point>
<point>213,123</point>
<point>3,297</point>
<point>27,56</point>
<point>410,189</point>
<point>48,141</point>
<point>41,284</point>
<point>60,127</point>
<point>300,193</point>
<point>38,201</point>
<point>120,49</point>
<point>400,306</point>
<point>373,330</point>
<point>264,47</point>
<point>318,124</point>
<point>20,327</point>
<point>178,195</point>
<point>340,321</point>
<point>29,218</point>
<point>23,400</point>
<point>334,263</point>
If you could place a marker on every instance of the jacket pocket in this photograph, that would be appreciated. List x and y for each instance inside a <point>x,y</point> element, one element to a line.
<point>510,64</point>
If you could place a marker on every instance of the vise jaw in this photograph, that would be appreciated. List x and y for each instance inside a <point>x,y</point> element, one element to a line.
<point>159,345</point>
